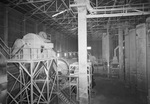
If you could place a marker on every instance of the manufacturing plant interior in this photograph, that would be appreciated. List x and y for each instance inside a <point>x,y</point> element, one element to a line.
<point>74,52</point>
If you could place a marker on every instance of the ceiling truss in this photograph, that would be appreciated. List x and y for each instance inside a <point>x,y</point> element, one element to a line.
<point>104,12</point>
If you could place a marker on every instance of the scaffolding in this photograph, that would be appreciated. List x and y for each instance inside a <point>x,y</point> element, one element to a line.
<point>36,80</point>
<point>74,79</point>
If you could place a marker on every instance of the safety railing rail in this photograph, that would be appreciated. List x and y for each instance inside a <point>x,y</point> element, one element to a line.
<point>142,7</point>
<point>32,53</point>
<point>121,6</point>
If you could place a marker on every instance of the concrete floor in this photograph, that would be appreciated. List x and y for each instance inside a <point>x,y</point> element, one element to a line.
<point>111,91</point>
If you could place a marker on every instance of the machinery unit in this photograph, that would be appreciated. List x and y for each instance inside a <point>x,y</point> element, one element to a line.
<point>32,46</point>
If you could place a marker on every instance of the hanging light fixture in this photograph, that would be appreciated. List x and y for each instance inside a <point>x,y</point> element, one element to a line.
<point>59,13</point>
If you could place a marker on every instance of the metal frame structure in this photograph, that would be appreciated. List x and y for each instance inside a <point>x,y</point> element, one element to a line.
<point>74,80</point>
<point>121,10</point>
<point>37,81</point>
<point>43,10</point>
<point>104,11</point>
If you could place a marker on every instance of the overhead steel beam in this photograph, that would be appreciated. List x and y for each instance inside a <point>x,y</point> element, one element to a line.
<point>117,19</point>
<point>19,2</point>
<point>17,5</point>
<point>38,8</point>
<point>118,14</point>
<point>122,7</point>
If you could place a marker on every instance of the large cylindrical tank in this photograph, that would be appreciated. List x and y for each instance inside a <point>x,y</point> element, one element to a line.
<point>63,66</point>
<point>18,44</point>
<point>3,79</point>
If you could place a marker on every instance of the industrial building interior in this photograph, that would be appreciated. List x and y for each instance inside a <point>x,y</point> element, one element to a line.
<point>74,52</point>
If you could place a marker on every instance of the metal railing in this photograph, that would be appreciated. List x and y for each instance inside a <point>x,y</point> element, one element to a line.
<point>120,10</point>
<point>23,53</point>
<point>144,7</point>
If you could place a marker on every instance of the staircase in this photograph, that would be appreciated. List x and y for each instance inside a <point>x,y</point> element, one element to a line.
<point>65,99</point>
<point>4,49</point>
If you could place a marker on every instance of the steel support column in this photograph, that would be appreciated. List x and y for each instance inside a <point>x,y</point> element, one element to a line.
<point>6,26</point>
<point>121,72</point>
<point>82,50</point>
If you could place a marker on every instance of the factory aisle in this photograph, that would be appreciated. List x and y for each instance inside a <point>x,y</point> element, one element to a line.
<point>112,92</point>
